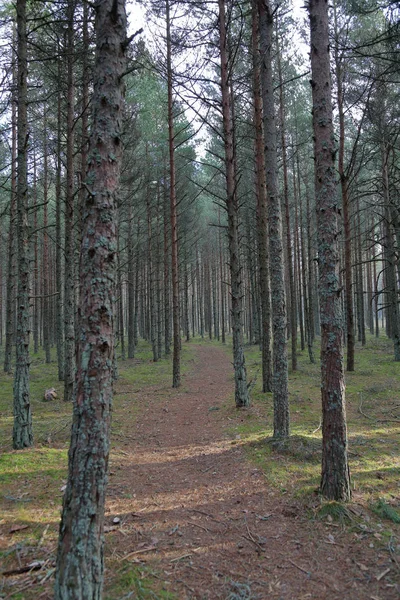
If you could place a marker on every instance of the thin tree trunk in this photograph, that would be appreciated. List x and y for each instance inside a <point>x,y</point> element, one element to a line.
<point>80,559</point>
<point>46,300</point>
<point>277,283</point>
<point>176,365</point>
<point>242,397</point>
<point>69,271</point>
<point>59,274</point>
<point>22,430</point>
<point>10,302</point>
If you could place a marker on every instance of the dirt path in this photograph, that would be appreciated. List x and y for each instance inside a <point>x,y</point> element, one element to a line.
<point>195,511</point>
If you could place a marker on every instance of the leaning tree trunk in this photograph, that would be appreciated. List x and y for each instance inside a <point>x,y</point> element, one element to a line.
<point>242,397</point>
<point>335,480</point>
<point>280,360</point>
<point>22,431</point>
<point>80,560</point>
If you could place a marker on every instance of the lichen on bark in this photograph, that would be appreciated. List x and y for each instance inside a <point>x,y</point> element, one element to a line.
<point>80,561</point>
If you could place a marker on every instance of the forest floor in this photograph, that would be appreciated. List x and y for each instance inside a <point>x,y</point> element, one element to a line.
<point>199,505</point>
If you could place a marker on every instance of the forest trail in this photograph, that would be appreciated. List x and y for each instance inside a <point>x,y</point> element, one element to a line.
<point>197,513</point>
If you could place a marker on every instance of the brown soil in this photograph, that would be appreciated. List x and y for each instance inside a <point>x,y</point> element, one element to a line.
<point>194,510</point>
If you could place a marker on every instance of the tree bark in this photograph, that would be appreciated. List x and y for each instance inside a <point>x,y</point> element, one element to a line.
<point>69,272</point>
<point>176,363</point>
<point>22,431</point>
<point>242,397</point>
<point>277,283</point>
<point>335,479</point>
<point>80,561</point>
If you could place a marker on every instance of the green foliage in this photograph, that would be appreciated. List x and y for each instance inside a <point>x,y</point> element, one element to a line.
<point>384,510</point>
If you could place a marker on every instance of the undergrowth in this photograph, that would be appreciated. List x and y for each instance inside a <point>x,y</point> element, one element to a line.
<point>32,481</point>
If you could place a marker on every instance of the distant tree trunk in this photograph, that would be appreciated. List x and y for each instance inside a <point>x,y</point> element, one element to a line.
<point>10,302</point>
<point>22,431</point>
<point>46,267</point>
<point>176,365</point>
<point>391,286</point>
<point>335,480</point>
<point>69,273</point>
<point>277,283</point>
<point>35,284</point>
<point>242,397</point>
<point>131,286</point>
<point>344,184</point>
<point>289,244</point>
<point>80,560</point>
<point>59,274</point>
<point>262,211</point>
<point>167,283</point>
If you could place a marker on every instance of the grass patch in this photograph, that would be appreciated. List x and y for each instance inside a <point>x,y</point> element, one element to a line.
<point>373,417</point>
<point>32,480</point>
<point>386,511</point>
<point>137,583</point>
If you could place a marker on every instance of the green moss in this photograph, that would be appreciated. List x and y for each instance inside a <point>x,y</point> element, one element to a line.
<point>137,583</point>
<point>373,417</point>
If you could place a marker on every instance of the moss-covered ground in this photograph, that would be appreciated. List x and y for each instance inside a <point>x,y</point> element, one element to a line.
<point>373,418</point>
<point>32,481</point>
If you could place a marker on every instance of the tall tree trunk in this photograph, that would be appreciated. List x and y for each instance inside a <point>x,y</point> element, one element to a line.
<point>242,397</point>
<point>46,300</point>
<point>391,285</point>
<point>279,351</point>
<point>80,560</point>
<point>344,185</point>
<point>22,430</point>
<point>131,285</point>
<point>289,245</point>
<point>167,286</point>
<point>35,284</point>
<point>69,272</point>
<point>10,302</point>
<point>59,274</point>
<point>335,479</point>
<point>176,364</point>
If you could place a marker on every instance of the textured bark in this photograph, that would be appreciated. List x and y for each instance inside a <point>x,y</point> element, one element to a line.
<point>167,282</point>
<point>289,244</point>
<point>335,479</point>
<point>10,302</point>
<point>278,302</point>
<point>176,363</point>
<point>69,272</point>
<point>35,283</point>
<point>262,211</point>
<point>22,430</point>
<point>131,286</point>
<point>80,550</point>
<point>46,324</point>
<point>344,185</point>
<point>391,287</point>
<point>59,274</point>
<point>242,397</point>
